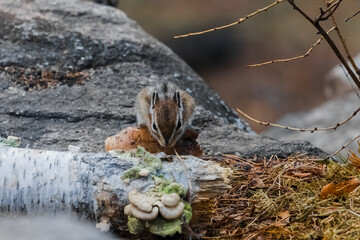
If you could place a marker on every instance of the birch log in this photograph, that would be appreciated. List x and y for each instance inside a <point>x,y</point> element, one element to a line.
<point>50,182</point>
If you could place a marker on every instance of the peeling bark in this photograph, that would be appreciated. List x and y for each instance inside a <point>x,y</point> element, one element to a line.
<point>49,182</point>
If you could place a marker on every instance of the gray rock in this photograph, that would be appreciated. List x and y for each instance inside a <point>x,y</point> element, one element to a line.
<point>229,141</point>
<point>112,3</point>
<point>337,81</point>
<point>95,61</point>
<point>328,114</point>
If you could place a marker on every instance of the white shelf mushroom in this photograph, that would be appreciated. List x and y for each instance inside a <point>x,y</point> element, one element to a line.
<point>170,212</point>
<point>134,211</point>
<point>148,208</point>
<point>141,201</point>
<point>170,200</point>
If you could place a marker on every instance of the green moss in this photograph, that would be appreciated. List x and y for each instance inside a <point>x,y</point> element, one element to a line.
<point>131,173</point>
<point>147,161</point>
<point>150,161</point>
<point>11,141</point>
<point>175,188</point>
<point>135,225</point>
<point>167,186</point>
<point>163,227</point>
<point>187,211</point>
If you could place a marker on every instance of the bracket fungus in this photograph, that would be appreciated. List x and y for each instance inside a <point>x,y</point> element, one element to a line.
<point>146,208</point>
<point>147,216</point>
<point>141,201</point>
<point>170,200</point>
<point>160,210</point>
<point>170,212</point>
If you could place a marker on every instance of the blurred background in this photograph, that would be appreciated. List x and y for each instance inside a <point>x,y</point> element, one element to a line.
<point>221,57</point>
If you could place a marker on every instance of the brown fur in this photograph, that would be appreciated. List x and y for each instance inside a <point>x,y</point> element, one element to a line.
<point>189,102</point>
<point>166,111</point>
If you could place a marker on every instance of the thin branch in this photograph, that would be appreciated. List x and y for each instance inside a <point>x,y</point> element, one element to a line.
<point>187,175</point>
<point>292,3</point>
<point>344,146</point>
<point>234,23</point>
<point>293,58</point>
<point>299,129</point>
<point>330,2</point>
<point>333,46</point>
<point>329,11</point>
<point>347,19</point>
<point>343,42</point>
<point>351,84</point>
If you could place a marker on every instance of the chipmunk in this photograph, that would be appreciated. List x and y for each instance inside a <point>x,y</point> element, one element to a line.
<point>166,111</point>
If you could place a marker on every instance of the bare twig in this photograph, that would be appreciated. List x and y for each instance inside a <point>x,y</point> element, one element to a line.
<point>316,23</point>
<point>299,129</point>
<point>347,19</point>
<point>343,42</point>
<point>293,58</point>
<point>187,175</point>
<point>329,11</point>
<point>234,23</point>
<point>190,231</point>
<point>351,84</point>
<point>344,146</point>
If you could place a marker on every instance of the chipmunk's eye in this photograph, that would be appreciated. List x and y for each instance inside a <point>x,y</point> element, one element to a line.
<point>178,126</point>
<point>154,127</point>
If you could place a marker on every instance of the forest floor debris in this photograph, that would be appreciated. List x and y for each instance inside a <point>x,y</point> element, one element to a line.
<point>289,199</point>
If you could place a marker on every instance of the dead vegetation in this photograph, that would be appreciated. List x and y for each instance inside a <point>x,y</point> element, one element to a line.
<point>32,79</point>
<point>293,198</point>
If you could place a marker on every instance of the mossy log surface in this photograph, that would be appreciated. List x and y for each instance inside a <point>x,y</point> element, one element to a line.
<point>50,182</point>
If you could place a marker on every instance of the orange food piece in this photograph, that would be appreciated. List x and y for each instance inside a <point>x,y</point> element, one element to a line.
<point>340,188</point>
<point>132,137</point>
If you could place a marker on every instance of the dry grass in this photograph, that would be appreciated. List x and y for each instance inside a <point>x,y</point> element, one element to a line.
<point>281,199</point>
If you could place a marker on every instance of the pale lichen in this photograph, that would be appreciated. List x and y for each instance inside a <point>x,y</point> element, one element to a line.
<point>175,188</point>
<point>147,163</point>
<point>135,225</point>
<point>10,141</point>
<point>131,173</point>
<point>164,228</point>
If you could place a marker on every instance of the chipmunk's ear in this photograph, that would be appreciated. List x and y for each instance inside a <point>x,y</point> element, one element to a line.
<point>154,99</point>
<point>176,99</point>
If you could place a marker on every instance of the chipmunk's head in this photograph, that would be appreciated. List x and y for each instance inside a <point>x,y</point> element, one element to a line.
<point>166,119</point>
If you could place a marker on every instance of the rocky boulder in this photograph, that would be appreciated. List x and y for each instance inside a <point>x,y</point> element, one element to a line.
<point>70,71</point>
<point>328,114</point>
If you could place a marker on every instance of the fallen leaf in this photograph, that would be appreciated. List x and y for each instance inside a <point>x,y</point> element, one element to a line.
<point>330,209</point>
<point>256,183</point>
<point>340,188</point>
<point>301,174</point>
<point>284,215</point>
